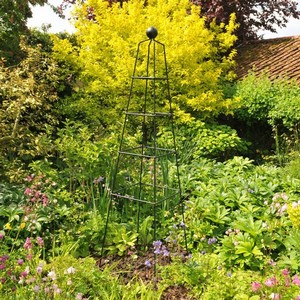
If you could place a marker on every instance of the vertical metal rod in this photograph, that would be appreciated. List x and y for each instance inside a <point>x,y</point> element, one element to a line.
<point>155,153</point>
<point>181,203</point>
<point>144,139</point>
<point>114,175</point>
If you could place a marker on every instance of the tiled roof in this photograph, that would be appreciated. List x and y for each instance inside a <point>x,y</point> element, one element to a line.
<point>279,57</point>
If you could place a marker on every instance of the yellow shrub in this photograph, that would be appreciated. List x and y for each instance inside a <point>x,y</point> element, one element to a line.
<point>200,59</point>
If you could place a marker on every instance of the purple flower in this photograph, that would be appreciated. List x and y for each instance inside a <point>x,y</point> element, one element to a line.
<point>20,261</point>
<point>2,266</point>
<point>157,251</point>
<point>1,236</point>
<point>182,225</point>
<point>39,269</point>
<point>99,179</point>
<point>4,258</point>
<point>147,263</point>
<point>157,244</point>
<point>211,241</point>
<point>36,288</point>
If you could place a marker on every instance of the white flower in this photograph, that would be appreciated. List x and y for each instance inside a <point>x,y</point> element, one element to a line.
<point>79,296</point>
<point>52,275</point>
<point>70,270</point>
<point>264,225</point>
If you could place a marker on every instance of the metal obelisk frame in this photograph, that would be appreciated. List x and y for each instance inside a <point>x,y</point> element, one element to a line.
<point>146,181</point>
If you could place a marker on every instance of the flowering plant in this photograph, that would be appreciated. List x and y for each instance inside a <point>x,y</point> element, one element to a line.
<point>282,286</point>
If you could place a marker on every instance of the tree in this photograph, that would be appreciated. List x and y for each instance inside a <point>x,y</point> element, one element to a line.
<point>13,18</point>
<point>251,15</point>
<point>200,59</point>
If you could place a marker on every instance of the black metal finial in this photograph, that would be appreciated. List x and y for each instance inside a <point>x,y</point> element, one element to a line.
<point>152,33</point>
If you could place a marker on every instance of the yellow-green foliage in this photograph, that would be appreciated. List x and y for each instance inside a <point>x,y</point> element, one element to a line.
<point>200,59</point>
<point>294,213</point>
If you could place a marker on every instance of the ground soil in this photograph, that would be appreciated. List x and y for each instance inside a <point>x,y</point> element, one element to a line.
<point>132,266</point>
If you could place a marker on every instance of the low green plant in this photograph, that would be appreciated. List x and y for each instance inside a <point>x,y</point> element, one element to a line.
<point>122,239</point>
<point>206,278</point>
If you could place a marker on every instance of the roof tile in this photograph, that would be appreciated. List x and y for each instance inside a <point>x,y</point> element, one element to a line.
<point>279,57</point>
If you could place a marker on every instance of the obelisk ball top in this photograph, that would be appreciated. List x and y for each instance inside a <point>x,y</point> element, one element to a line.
<point>152,33</point>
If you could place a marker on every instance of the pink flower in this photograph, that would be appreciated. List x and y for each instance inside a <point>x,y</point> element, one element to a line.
<point>20,262</point>
<point>271,281</point>
<point>285,272</point>
<point>275,296</point>
<point>287,281</point>
<point>296,280</point>
<point>40,241</point>
<point>45,200</point>
<point>256,286</point>
<point>23,274</point>
<point>28,191</point>
<point>28,244</point>
<point>272,263</point>
<point>4,258</point>
<point>29,178</point>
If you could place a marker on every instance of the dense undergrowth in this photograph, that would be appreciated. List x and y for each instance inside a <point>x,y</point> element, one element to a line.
<point>241,221</point>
